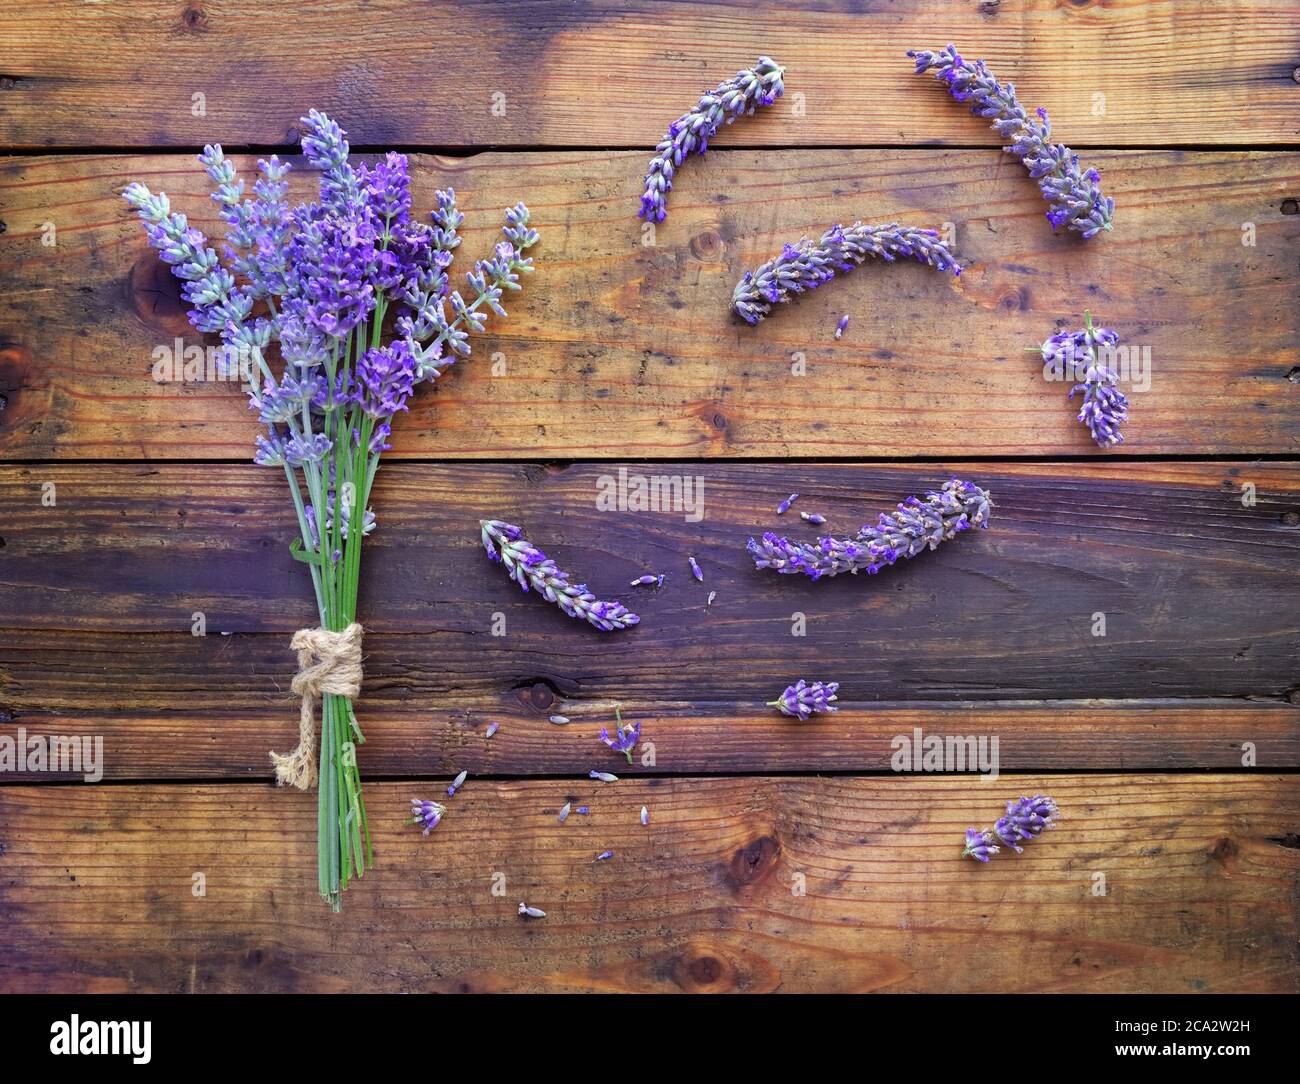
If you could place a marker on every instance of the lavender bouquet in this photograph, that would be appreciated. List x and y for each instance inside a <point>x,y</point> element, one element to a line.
<point>353,295</point>
<point>917,526</point>
<point>1074,193</point>
<point>690,133</point>
<point>807,264</point>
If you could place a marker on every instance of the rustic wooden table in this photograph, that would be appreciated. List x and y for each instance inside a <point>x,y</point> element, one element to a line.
<point>778,856</point>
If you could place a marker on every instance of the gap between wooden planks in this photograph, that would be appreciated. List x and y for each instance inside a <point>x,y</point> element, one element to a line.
<point>752,884</point>
<point>619,349</point>
<point>604,73</point>
<point>992,633</point>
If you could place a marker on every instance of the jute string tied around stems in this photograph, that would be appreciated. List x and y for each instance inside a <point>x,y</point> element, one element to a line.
<point>328,662</point>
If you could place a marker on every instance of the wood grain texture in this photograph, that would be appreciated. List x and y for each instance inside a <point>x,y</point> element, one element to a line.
<point>98,596</point>
<point>615,72</point>
<point>620,349</point>
<point>1201,877</point>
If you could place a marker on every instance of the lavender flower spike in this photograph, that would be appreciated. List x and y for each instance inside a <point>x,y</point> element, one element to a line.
<point>1084,352</point>
<point>802,699</point>
<point>530,567</point>
<point>918,525</point>
<point>1074,194</point>
<point>808,264</point>
<point>979,845</point>
<point>690,133</point>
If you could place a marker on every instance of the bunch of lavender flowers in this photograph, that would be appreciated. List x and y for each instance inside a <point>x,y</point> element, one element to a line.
<point>802,699</point>
<point>354,295</point>
<point>530,567</point>
<point>625,736</point>
<point>918,525</point>
<point>1074,194</point>
<point>808,264</point>
<point>1025,821</point>
<point>1105,407</point>
<point>690,133</point>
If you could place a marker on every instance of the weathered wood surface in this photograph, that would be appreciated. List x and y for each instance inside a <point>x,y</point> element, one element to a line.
<point>1200,874</point>
<point>98,596</point>
<point>615,73</point>
<point>616,348</point>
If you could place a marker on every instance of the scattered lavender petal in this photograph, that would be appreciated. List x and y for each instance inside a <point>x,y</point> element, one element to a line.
<point>559,720</point>
<point>645,815</point>
<point>712,596</point>
<point>813,517</point>
<point>604,777</point>
<point>531,912</point>
<point>644,581</point>
<point>695,569</point>
<point>839,328</point>
<point>603,855</point>
<point>564,812</point>
<point>492,729</point>
<point>584,810</point>
<point>457,783</point>
<point>784,506</point>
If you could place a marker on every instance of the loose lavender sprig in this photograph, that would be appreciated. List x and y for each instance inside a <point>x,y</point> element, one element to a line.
<point>530,567</point>
<point>807,264</point>
<point>1074,194</point>
<point>1105,407</point>
<point>918,525</point>
<point>624,738</point>
<point>802,699</point>
<point>690,133</point>
<point>1025,820</point>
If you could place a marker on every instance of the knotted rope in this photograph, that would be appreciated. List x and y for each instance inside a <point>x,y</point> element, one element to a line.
<point>328,662</point>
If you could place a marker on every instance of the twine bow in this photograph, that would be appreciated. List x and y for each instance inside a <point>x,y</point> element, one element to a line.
<point>328,662</point>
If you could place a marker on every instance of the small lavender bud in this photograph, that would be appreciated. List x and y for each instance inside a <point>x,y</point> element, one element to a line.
<point>806,264</point>
<point>979,845</point>
<point>917,526</point>
<point>492,729</point>
<point>643,581</point>
<point>564,811</point>
<point>559,720</point>
<point>839,328</point>
<point>695,569</point>
<point>426,814</point>
<point>624,738</point>
<point>813,518</point>
<point>604,777</point>
<point>456,784</point>
<point>802,699</point>
<point>784,506</point>
<point>645,815</point>
<point>530,567</point>
<point>531,912</point>
<point>604,855</point>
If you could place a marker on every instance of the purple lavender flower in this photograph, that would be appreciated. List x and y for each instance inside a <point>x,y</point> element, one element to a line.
<point>1085,352</point>
<point>530,567</point>
<point>624,738</point>
<point>807,264</point>
<point>839,328</point>
<point>1025,820</point>
<point>690,133</point>
<point>696,571</point>
<point>386,376</point>
<point>427,814</point>
<point>784,506</point>
<point>802,699</point>
<point>815,518</point>
<point>918,525</point>
<point>979,845</point>
<point>1074,194</point>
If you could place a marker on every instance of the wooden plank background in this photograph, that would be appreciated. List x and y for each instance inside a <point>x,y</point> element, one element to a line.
<point>779,856</point>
